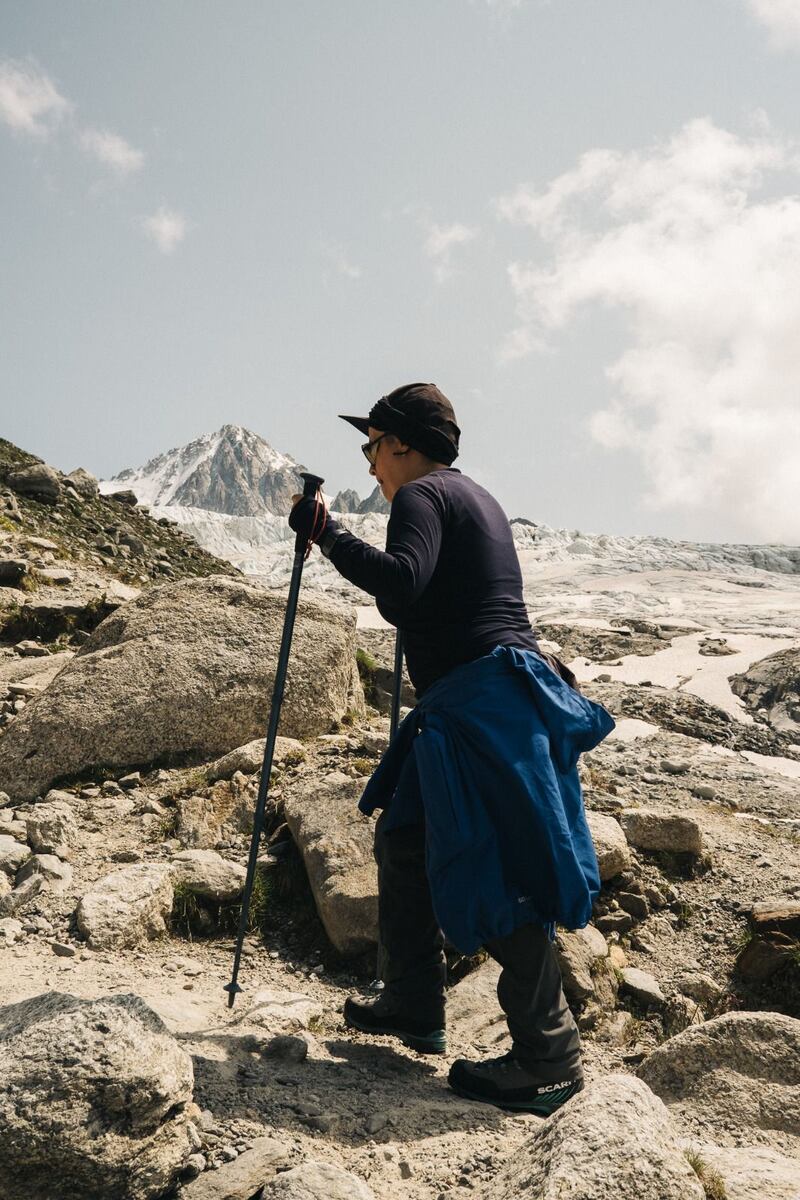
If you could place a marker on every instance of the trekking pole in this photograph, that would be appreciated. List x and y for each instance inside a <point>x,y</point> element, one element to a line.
<point>397,687</point>
<point>397,683</point>
<point>311,486</point>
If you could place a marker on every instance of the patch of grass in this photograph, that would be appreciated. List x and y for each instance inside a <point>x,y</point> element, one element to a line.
<point>368,668</point>
<point>28,583</point>
<point>7,524</point>
<point>293,758</point>
<point>364,766</point>
<point>185,909</point>
<point>676,865</point>
<point>167,826</point>
<point>259,901</point>
<point>684,914</point>
<point>744,937</point>
<point>366,663</point>
<point>712,1181</point>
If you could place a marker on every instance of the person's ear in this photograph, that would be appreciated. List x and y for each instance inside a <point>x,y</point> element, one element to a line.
<point>404,449</point>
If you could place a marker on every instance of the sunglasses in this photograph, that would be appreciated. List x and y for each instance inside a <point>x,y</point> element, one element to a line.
<point>369,453</point>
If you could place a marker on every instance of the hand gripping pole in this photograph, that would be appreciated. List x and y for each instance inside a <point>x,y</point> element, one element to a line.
<point>312,484</point>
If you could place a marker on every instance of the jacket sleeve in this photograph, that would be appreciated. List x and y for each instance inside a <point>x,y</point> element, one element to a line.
<point>400,573</point>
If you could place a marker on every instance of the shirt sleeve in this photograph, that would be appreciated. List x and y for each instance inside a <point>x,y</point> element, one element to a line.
<point>399,574</point>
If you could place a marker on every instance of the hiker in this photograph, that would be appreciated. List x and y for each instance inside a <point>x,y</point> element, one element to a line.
<point>482,836</point>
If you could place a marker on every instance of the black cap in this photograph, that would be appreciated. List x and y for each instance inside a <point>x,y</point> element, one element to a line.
<point>419,414</point>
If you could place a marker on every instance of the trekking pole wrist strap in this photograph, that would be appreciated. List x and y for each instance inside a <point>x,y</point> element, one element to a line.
<point>328,539</point>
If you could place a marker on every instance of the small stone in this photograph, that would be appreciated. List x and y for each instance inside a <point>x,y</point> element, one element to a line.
<point>655,896</point>
<point>31,649</point>
<point>287,1048</point>
<point>10,930</point>
<point>617,1028</point>
<point>133,780</point>
<point>194,1166</point>
<point>63,949</point>
<point>699,987</point>
<point>617,957</point>
<point>643,986</point>
<point>679,1012</point>
<point>704,791</point>
<point>614,922</point>
<point>672,767</point>
<point>633,904</point>
<point>376,1122</point>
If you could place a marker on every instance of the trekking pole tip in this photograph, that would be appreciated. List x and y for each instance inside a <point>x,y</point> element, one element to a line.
<point>232,989</point>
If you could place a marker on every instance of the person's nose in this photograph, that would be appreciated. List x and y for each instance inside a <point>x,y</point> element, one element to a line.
<point>372,468</point>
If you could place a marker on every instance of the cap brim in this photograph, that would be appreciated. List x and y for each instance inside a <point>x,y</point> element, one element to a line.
<point>361,423</point>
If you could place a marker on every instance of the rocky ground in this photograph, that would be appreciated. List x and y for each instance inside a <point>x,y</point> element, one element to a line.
<point>125,880</point>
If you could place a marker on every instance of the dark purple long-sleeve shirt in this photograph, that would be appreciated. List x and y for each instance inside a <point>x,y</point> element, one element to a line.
<point>449,577</point>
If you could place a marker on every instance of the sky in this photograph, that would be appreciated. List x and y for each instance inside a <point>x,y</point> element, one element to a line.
<point>579,218</point>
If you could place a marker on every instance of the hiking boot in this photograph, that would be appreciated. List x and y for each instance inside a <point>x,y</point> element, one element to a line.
<point>504,1081</point>
<point>425,1036</point>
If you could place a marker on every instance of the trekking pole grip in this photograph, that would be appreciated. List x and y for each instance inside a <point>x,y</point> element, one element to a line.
<point>311,485</point>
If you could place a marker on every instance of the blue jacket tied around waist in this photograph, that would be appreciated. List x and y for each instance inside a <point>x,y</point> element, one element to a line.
<point>488,758</point>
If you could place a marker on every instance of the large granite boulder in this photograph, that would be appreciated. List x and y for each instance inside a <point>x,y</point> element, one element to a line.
<point>94,1100</point>
<point>127,907</point>
<point>474,1015</point>
<point>614,1139</point>
<point>207,874</point>
<point>586,969</point>
<point>752,1172</point>
<point>317,1181</point>
<point>650,829</point>
<point>739,1071</point>
<point>38,481</point>
<point>610,845</point>
<point>186,670</point>
<point>52,826</point>
<point>335,840</point>
<point>84,483</point>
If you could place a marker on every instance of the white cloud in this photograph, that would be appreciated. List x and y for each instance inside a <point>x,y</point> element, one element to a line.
<point>705,270</point>
<point>781,18</point>
<point>112,150</point>
<point>342,263</point>
<point>29,100</point>
<point>440,243</point>
<point>166,228</point>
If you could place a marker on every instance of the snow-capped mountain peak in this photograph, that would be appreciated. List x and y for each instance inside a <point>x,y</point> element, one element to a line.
<point>233,471</point>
